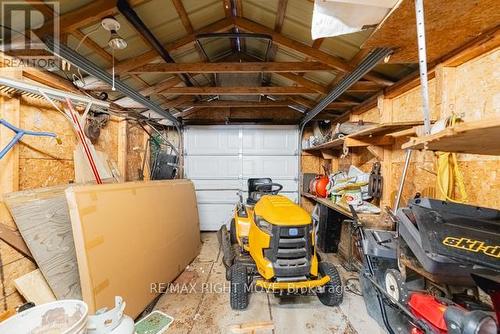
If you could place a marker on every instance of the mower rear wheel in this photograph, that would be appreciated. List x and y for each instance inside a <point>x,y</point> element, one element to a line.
<point>395,286</point>
<point>238,292</point>
<point>332,293</point>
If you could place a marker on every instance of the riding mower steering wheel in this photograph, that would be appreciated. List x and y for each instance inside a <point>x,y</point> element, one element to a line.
<point>269,188</point>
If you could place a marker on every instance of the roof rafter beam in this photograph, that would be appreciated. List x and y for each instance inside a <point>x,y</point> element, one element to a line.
<point>307,50</point>
<point>232,67</point>
<point>149,56</point>
<point>267,90</point>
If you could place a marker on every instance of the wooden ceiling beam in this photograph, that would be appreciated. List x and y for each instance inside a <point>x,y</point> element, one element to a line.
<point>307,50</point>
<point>186,22</point>
<point>304,82</point>
<point>269,90</point>
<point>233,67</point>
<point>149,56</point>
<point>84,16</point>
<point>280,15</point>
<point>317,43</point>
<point>249,104</point>
<point>179,7</point>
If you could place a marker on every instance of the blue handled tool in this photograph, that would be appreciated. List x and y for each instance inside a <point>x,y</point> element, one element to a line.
<point>20,133</point>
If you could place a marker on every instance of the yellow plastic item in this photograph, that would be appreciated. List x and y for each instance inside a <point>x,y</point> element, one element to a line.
<point>449,176</point>
<point>293,285</point>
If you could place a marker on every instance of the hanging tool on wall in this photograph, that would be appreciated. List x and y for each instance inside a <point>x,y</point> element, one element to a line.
<point>88,150</point>
<point>20,133</point>
<point>375,181</point>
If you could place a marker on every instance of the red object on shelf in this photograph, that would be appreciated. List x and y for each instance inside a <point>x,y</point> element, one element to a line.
<point>427,307</point>
<point>318,185</point>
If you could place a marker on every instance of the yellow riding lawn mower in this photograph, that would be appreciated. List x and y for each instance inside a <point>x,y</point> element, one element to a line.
<point>271,246</point>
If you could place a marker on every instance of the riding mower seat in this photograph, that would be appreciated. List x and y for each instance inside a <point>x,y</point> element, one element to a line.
<point>253,194</point>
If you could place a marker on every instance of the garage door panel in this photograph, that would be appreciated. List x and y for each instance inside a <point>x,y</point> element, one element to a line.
<point>270,141</point>
<point>220,159</point>
<point>217,197</point>
<point>212,167</point>
<point>270,166</point>
<point>213,216</point>
<point>233,185</point>
<point>211,141</point>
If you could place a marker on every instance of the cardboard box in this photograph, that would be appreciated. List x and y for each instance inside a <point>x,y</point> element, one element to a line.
<point>130,237</point>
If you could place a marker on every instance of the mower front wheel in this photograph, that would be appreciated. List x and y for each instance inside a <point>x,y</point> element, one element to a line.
<point>332,293</point>
<point>239,290</point>
<point>395,286</point>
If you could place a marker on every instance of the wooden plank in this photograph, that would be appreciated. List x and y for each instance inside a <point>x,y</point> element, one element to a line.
<point>443,34</point>
<point>179,7</point>
<point>235,67</point>
<point>274,90</point>
<point>34,288</point>
<point>126,242</point>
<point>122,148</point>
<point>43,219</point>
<point>369,141</point>
<point>475,137</point>
<point>252,104</point>
<point>280,15</point>
<point>15,240</point>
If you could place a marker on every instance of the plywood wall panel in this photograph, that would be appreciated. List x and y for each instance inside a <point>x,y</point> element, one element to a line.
<point>40,119</point>
<point>12,271</point>
<point>11,301</point>
<point>37,173</point>
<point>9,254</point>
<point>108,140</point>
<point>478,88</point>
<point>135,152</point>
<point>408,106</point>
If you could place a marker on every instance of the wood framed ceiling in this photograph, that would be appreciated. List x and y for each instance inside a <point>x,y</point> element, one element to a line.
<point>289,84</point>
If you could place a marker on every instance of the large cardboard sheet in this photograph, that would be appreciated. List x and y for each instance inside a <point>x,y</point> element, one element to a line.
<point>131,236</point>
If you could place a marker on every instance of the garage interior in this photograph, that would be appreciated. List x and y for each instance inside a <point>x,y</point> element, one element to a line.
<point>249,166</point>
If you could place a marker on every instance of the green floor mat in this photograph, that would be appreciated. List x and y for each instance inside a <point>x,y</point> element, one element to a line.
<point>154,323</point>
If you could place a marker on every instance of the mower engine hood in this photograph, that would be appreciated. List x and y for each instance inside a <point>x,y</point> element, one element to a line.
<point>280,210</point>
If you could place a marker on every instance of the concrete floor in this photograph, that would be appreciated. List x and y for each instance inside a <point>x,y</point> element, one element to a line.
<point>199,302</point>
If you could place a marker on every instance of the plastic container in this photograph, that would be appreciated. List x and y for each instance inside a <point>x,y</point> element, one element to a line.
<point>61,317</point>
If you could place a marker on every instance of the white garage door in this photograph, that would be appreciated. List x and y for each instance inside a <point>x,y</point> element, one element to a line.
<point>220,159</point>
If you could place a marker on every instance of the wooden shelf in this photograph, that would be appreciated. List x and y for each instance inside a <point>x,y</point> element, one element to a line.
<point>375,135</point>
<point>475,137</point>
<point>338,208</point>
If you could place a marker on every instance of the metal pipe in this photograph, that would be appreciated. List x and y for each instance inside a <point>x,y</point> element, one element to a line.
<point>402,182</point>
<point>370,61</point>
<point>134,19</point>
<point>85,64</point>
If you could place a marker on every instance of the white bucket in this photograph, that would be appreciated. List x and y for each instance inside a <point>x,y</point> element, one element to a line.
<point>61,317</point>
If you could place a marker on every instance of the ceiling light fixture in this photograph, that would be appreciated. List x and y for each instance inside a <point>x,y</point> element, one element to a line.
<point>116,42</point>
